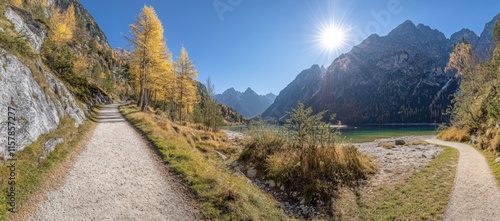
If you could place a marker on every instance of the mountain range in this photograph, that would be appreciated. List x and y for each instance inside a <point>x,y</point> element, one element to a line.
<point>248,103</point>
<point>398,78</point>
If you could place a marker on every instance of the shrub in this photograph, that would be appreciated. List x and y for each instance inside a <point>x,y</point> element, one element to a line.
<point>495,141</point>
<point>15,44</point>
<point>455,134</point>
<point>307,157</point>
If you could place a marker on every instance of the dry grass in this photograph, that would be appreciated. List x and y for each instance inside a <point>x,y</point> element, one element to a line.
<point>316,173</point>
<point>222,194</point>
<point>455,134</point>
<point>387,145</point>
<point>495,167</point>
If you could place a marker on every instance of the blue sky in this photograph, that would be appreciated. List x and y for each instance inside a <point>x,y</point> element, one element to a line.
<point>264,44</point>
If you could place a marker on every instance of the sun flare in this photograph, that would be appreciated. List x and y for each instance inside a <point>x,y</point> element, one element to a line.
<point>332,37</point>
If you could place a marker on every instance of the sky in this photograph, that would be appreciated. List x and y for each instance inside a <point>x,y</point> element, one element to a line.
<point>265,44</point>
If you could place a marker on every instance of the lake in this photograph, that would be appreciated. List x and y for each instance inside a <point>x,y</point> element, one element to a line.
<point>360,134</point>
<point>370,133</point>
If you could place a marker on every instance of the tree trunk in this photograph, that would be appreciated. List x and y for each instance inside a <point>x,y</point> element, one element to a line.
<point>139,101</point>
<point>145,103</point>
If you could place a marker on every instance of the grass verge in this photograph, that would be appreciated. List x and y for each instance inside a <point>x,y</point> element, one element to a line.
<point>33,168</point>
<point>222,194</point>
<point>495,167</point>
<point>422,196</point>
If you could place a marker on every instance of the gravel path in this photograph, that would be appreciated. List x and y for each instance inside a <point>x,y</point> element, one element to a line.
<point>475,194</point>
<point>117,177</point>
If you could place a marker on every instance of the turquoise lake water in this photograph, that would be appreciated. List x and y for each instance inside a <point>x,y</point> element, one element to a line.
<point>369,133</point>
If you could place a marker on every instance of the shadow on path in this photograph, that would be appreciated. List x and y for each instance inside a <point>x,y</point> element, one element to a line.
<point>109,114</point>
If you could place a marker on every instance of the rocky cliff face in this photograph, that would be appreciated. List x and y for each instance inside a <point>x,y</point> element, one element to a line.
<point>40,98</point>
<point>248,103</point>
<point>485,45</point>
<point>398,78</point>
<point>40,106</point>
<point>85,20</point>
<point>24,24</point>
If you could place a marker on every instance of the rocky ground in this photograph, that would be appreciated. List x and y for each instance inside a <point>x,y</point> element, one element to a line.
<point>399,161</point>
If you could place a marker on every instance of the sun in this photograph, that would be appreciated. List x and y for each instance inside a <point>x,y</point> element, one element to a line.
<point>331,32</point>
<point>332,37</point>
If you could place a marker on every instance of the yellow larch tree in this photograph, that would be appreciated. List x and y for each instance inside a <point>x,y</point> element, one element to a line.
<point>43,3</point>
<point>17,2</point>
<point>151,64</point>
<point>81,66</point>
<point>185,91</point>
<point>63,25</point>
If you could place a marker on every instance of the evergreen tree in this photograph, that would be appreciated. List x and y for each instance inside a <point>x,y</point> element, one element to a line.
<point>212,114</point>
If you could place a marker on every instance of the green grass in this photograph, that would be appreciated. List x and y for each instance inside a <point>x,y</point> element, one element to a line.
<point>422,196</point>
<point>31,171</point>
<point>222,194</point>
<point>495,167</point>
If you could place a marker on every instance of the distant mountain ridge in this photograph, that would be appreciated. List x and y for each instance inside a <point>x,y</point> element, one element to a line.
<point>248,103</point>
<point>398,78</point>
<point>301,89</point>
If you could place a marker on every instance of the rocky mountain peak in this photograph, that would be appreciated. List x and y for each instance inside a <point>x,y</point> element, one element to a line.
<point>403,28</point>
<point>249,91</point>
<point>248,103</point>
<point>408,32</point>
<point>486,45</point>
<point>465,33</point>
<point>230,90</point>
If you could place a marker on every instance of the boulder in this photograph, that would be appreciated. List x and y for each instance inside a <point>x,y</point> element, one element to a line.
<point>271,183</point>
<point>399,142</point>
<point>251,172</point>
<point>497,160</point>
<point>473,139</point>
<point>51,144</point>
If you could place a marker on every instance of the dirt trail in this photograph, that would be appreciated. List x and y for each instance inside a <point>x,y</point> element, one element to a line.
<point>116,177</point>
<point>475,194</point>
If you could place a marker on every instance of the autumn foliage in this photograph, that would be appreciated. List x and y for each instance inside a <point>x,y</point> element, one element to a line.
<point>185,92</point>
<point>159,81</point>
<point>63,24</point>
<point>476,110</point>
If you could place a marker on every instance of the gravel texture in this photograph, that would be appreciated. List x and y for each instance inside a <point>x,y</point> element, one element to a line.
<point>399,162</point>
<point>117,177</point>
<point>475,194</point>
